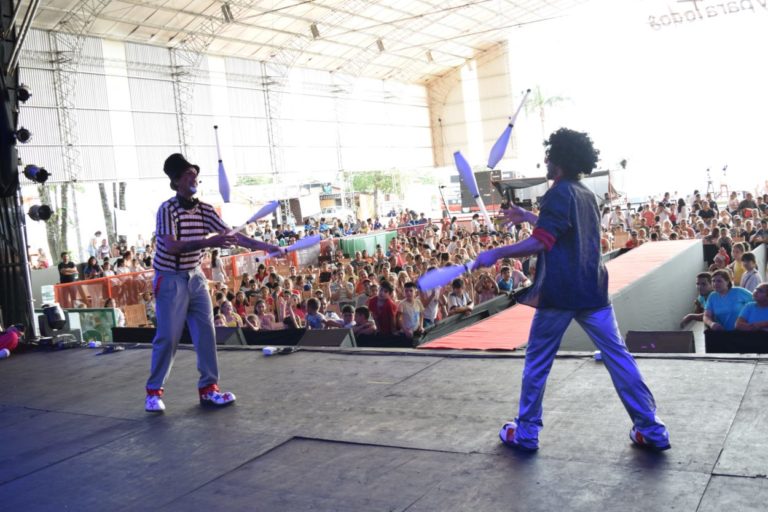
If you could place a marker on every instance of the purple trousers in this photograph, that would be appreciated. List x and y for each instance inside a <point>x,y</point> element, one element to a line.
<point>547,331</point>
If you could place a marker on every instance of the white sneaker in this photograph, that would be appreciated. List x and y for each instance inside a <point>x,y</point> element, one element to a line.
<point>154,403</point>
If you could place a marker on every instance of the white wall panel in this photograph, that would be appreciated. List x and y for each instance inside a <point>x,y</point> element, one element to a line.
<point>151,95</point>
<point>150,160</point>
<point>155,129</point>
<point>246,102</point>
<point>246,131</point>
<point>91,91</point>
<point>95,127</point>
<point>98,163</point>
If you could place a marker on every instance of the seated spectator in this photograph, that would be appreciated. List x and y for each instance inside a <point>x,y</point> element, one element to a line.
<point>747,204</point>
<point>245,282</point>
<point>347,317</point>
<point>633,241</point>
<point>486,289</point>
<point>704,288</point>
<point>431,302</point>
<point>92,269</point>
<point>149,305</point>
<point>251,322</point>
<point>736,268</point>
<point>751,277</point>
<point>761,235</point>
<point>331,317</point>
<point>266,320</point>
<point>410,312</point>
<point>231,319</point>
<point>364,324</point>
<point>754,315</point>
<point>725,303</point>
<point>384,309</point>
<point>459,301</point>
<point>241,302</point>
<point>314,319</point>
<point>719,262</point>
<point>219,320</point>
<point>119,315</point>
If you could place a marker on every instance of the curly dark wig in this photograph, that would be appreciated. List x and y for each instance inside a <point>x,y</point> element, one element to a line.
<point>572,151</point>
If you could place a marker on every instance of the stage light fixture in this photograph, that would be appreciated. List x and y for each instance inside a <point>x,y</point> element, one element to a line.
<point>226,11</point>
<point>315,31</point>
<point>36,174</point>
<point>23,93</point>
<point>23,135</point>
<point>40,212</point>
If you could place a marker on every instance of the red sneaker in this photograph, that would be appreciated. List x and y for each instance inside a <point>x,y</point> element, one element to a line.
<point>507,436</point>
<point>639,439</point>
<point>211,396</point>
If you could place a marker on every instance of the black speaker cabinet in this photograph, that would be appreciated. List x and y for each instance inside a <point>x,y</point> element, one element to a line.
<point>133,334</point>
<point>328,338</point>
<point>661,342</point>
<point>224,335</point>
<point>735,342</point>
<point>281,337</point>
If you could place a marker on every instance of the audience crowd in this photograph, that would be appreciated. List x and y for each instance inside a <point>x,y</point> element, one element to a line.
<point>376,292</point>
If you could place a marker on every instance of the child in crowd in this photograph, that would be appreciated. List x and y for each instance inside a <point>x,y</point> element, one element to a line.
<point>410,312</point>
<point>314,319</point>
<point>459,301</point>
<point>364,324</point>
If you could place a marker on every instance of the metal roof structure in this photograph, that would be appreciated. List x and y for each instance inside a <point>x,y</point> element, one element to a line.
<point>412,41</point>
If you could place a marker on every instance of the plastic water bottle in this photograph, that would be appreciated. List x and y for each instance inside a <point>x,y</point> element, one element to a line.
<point>5,353</point>
<point>94,344</point>
<point>269,351</point>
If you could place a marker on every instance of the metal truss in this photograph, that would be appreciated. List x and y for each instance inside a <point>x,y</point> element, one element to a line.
<point>67,46</point>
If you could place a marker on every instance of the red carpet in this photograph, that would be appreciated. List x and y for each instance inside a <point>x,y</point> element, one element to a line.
<point>509,329</point>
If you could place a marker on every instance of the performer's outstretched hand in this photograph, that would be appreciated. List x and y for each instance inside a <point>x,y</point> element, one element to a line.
<point>222,240</point>
<point>486,258</point>
<point>516,215</point>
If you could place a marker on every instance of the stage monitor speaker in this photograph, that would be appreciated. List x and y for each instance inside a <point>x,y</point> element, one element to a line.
<point>224,336</point>
<point>328,338</point>
<point>282,337</point>
<point>133,334</point>
<point>661,342</point>
<point>735,342</point>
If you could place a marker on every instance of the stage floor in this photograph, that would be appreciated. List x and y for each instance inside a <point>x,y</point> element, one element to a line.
<point>373,431</point>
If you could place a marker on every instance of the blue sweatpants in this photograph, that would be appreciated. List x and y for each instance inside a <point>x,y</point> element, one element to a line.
<point>547,331</point>
<point>182,298</point>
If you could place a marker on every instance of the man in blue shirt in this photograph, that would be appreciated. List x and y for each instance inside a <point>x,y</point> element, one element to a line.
<point>571,283</point>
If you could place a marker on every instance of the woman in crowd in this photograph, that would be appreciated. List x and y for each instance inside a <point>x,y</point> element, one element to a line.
<point>754,316</point>
<point>231,318</point>
<point>119,315</point>
<point>261,276</point>
<point>92,269</point>
<point>737,269</point>
<point>217,268</point>
<point>485,289</point>
<point>266,319</point>
<point>251,322</point>
<point>241,302</point>
<point>725,303</point>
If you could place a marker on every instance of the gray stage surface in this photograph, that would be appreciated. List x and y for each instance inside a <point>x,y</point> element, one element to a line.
<point>333,431</point>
